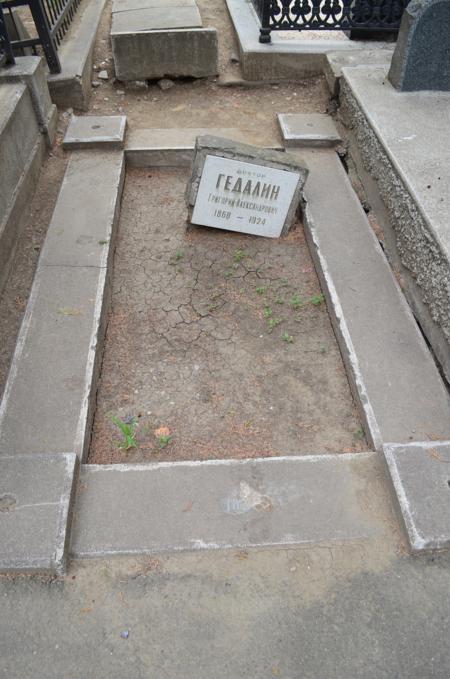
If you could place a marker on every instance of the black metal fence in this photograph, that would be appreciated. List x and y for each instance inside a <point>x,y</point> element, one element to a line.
<point>357,16</point>
<point>6,53</point>
<point>51,18</point>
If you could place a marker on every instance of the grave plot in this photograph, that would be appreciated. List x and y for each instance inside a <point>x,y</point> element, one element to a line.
<point>218,344</point>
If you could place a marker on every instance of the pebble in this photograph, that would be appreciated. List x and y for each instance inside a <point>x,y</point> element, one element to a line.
<point>165,84</point>
<point>234,58</point>
<point>103,75</point>
<point>120,92</point>
<point>96,83</point>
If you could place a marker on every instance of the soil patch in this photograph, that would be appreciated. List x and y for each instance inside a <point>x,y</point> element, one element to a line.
<point>219,344</point>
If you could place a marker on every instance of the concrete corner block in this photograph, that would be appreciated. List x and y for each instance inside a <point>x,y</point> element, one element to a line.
<point>308,129</point>
<point>147,55</point>
<point>95,132</point>
<point>36,498</point>
<point>420,474</point>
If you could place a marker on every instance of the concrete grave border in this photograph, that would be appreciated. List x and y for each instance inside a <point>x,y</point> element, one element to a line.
<point>332,288</point>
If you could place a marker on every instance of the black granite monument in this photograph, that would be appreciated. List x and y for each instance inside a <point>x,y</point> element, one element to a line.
<point>421,59</point>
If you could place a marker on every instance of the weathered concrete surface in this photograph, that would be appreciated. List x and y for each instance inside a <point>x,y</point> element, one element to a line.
<point>336,61</point>
<point>148,18</point>
<point>30,71</point>
<point>394,376</point>
<point>308,129</point>
<point>281,59</point>
<point>357,610</point>
<point>46,406</point>
<point>402,140</point>
<point>226,503</point>
<point>226,148</point>
<point>95,132</point>
<point>174,147</point>
<point>36,493</point>
<point>72,87</point>
<point>421,478</point>
<point>147,55</point>
<point>420,59</point>
<point>22,150</point>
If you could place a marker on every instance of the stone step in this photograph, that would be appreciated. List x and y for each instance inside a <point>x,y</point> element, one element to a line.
<point>153,508</point>
<point>394,377</point>
<point>46,406</point>
<point>174,147</point>
<point>85,132</point>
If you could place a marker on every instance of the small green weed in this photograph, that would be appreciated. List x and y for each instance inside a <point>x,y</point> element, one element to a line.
<point>128,430</point>
<point>267,312</point>
<point>273,322</point>
<point>296,301</point>
<point>163,440</point>
<point>286,337</point>
<point>323,350</point>
<point>317,299</point>
<point>103,242</point>
<point>239,255</point>
<point>279,300</point>
<point>179,254</point>
<point>261,290</point>
<point>359,434</point>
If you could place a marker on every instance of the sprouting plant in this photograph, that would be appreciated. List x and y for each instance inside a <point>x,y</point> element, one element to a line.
<point>239,255</point>
<point>317,299</point>
<point>163,440</point>
<point>323,350</point>
<point>359,433</point>
<point>128,428</point>
<point>179,254</point>
<point>296,301</point>
<point>273,322</point>
<point>103,242</point>
<point>279,300</point>
<point>267,312</point>
<point>284,283</point>
<point>261,290</point>
<point>286,337</point>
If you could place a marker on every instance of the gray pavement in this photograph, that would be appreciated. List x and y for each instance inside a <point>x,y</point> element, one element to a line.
<point>358,611</point>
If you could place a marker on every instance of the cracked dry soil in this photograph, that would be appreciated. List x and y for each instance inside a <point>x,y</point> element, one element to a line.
<point>195,340</point>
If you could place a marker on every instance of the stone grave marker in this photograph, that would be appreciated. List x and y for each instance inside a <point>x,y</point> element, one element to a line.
<point>244,188</point>
<point>421,60</point>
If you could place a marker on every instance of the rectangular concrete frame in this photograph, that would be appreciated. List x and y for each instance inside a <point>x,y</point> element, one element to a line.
<point>54,369</point>
<point>399,142</point>
<point>154,54</point>
<point>266,502</point>
<point>36,502</point>
<point>175,147</point>
<point>281,59</point>
<point>420,474</point>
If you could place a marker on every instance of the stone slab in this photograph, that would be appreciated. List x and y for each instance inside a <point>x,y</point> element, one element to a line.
<point>155,54</point>
<point>126,5</point>
<point>282,59</point>
<point>55,365</point>
<point>72,87</point>
<point>308,129</point>
<point>151,508</point>
<point>95,132</point>
<point>82,227</point>
<point>336,61</point>
<point>403,140</point>
<point>394,377</point>
<point>421,477</point>
<point>155,18</point>
<point>175,147</point>
<point>36,493</point>
<point>288,192</point>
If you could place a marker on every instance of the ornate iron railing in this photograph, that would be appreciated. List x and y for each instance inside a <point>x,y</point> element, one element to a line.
<point>329,15</point>
<point>6,53</point>
<point>52,18</point>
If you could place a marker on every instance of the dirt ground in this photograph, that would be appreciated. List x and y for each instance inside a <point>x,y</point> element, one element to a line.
<point>219,340</point>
